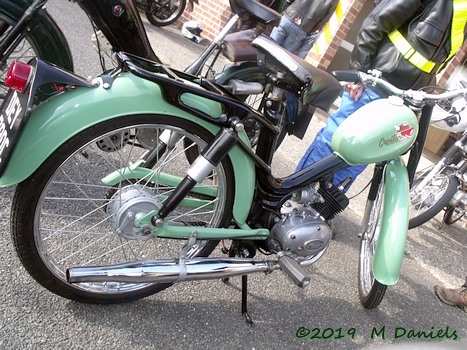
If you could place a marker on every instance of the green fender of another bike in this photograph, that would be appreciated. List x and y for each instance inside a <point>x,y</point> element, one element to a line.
<point>65,115</point>
<point>49,40</point>
<point>389,253</point>
<point>247,71</point>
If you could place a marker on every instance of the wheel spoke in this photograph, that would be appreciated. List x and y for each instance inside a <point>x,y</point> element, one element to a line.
<point>80,221</point>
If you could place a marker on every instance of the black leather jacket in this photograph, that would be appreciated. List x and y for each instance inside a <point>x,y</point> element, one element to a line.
<point>429,34</point>
<point>311,15</point>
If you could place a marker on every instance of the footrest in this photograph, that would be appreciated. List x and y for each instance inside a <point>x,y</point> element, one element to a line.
<point>293,269</point>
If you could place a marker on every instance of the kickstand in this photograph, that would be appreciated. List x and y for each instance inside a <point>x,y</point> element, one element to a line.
<point>441,224</point>
<point>245,314</point>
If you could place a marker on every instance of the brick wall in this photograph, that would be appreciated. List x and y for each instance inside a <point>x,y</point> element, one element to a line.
<point>213,14</point>
<point>210,14</point>
<point>349,12</point>
<point>451,67</point>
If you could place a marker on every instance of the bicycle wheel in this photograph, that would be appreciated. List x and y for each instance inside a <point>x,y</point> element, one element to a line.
<point>371,292</point>
<point>453,214</point>
<point>39,43</point>
<point>64,215</point>
<point>427,202</point>
<point>164,12</point>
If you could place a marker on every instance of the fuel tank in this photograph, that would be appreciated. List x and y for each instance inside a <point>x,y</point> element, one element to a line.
<point>379,131</point>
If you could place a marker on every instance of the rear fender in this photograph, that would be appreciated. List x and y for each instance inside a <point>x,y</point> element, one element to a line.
<point>389,253</point>
<point>55,121</point>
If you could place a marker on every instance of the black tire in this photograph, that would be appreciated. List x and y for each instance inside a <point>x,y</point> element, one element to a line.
<point>33,46</point>
<point>164,12</point>
<point>453,215</point>
<point>427,203</point>
<point>371,292</point>
<point>64,215</point>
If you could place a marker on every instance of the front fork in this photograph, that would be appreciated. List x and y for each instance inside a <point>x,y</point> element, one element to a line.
<point>203,165</point>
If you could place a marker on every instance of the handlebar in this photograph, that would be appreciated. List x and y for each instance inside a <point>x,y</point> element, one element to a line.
<point>414,98</point>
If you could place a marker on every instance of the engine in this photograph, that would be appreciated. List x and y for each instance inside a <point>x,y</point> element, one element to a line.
<point>302,231</point>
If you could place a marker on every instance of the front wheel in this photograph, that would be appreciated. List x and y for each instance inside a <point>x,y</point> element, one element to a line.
<point>427,202</point>
<point>164,12</point>
<point>371,292</point>
<point>65,215</point>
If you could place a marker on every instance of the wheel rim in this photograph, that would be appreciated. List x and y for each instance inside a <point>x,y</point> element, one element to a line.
<point>368,245</point>
<point>455,214</point>
<point>77,218</point>
<point>429,195</point>
<point>165,10</point>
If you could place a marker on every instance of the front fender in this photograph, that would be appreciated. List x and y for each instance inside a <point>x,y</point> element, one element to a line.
<point>55,121</point>
<point>389,252</point>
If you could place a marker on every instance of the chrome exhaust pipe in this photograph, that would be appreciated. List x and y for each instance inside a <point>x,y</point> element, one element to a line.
<point>169,271</point>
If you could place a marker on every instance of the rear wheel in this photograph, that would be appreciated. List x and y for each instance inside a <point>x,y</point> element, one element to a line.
<point>65,215</point>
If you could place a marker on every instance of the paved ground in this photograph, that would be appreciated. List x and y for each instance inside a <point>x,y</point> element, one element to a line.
<point>206,315</point>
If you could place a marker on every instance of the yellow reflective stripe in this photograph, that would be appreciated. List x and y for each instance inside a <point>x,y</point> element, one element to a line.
<point>459,19</point>
<point>409,53</point>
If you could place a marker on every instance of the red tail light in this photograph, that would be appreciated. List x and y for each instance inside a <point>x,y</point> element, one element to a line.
<point>17,76</point>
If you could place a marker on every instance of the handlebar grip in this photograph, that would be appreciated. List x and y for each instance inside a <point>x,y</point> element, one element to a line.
<point>346,75</point>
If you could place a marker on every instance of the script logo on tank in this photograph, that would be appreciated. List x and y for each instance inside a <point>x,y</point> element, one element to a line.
<point>403,131</point>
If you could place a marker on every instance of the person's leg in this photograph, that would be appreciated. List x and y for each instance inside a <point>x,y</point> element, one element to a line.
<point>307,44</point>
<point>279,33</point>
<point>288,35</point>
<point>321,146</point>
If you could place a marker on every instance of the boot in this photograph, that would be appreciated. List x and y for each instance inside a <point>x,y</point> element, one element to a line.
<point>456,297</point>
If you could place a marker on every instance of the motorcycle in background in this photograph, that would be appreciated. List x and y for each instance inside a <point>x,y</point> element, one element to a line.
<point>444,185</point>
<point>165,12</point>
<point>27,30</point>
<point>162,13</point>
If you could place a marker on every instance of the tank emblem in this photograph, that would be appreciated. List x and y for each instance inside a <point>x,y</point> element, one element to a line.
<point>403,132</point>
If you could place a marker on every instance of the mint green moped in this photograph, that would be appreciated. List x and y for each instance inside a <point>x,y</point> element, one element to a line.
<point>127,183</point>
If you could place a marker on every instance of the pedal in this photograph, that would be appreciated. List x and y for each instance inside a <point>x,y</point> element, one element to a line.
<point>293,269</point>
